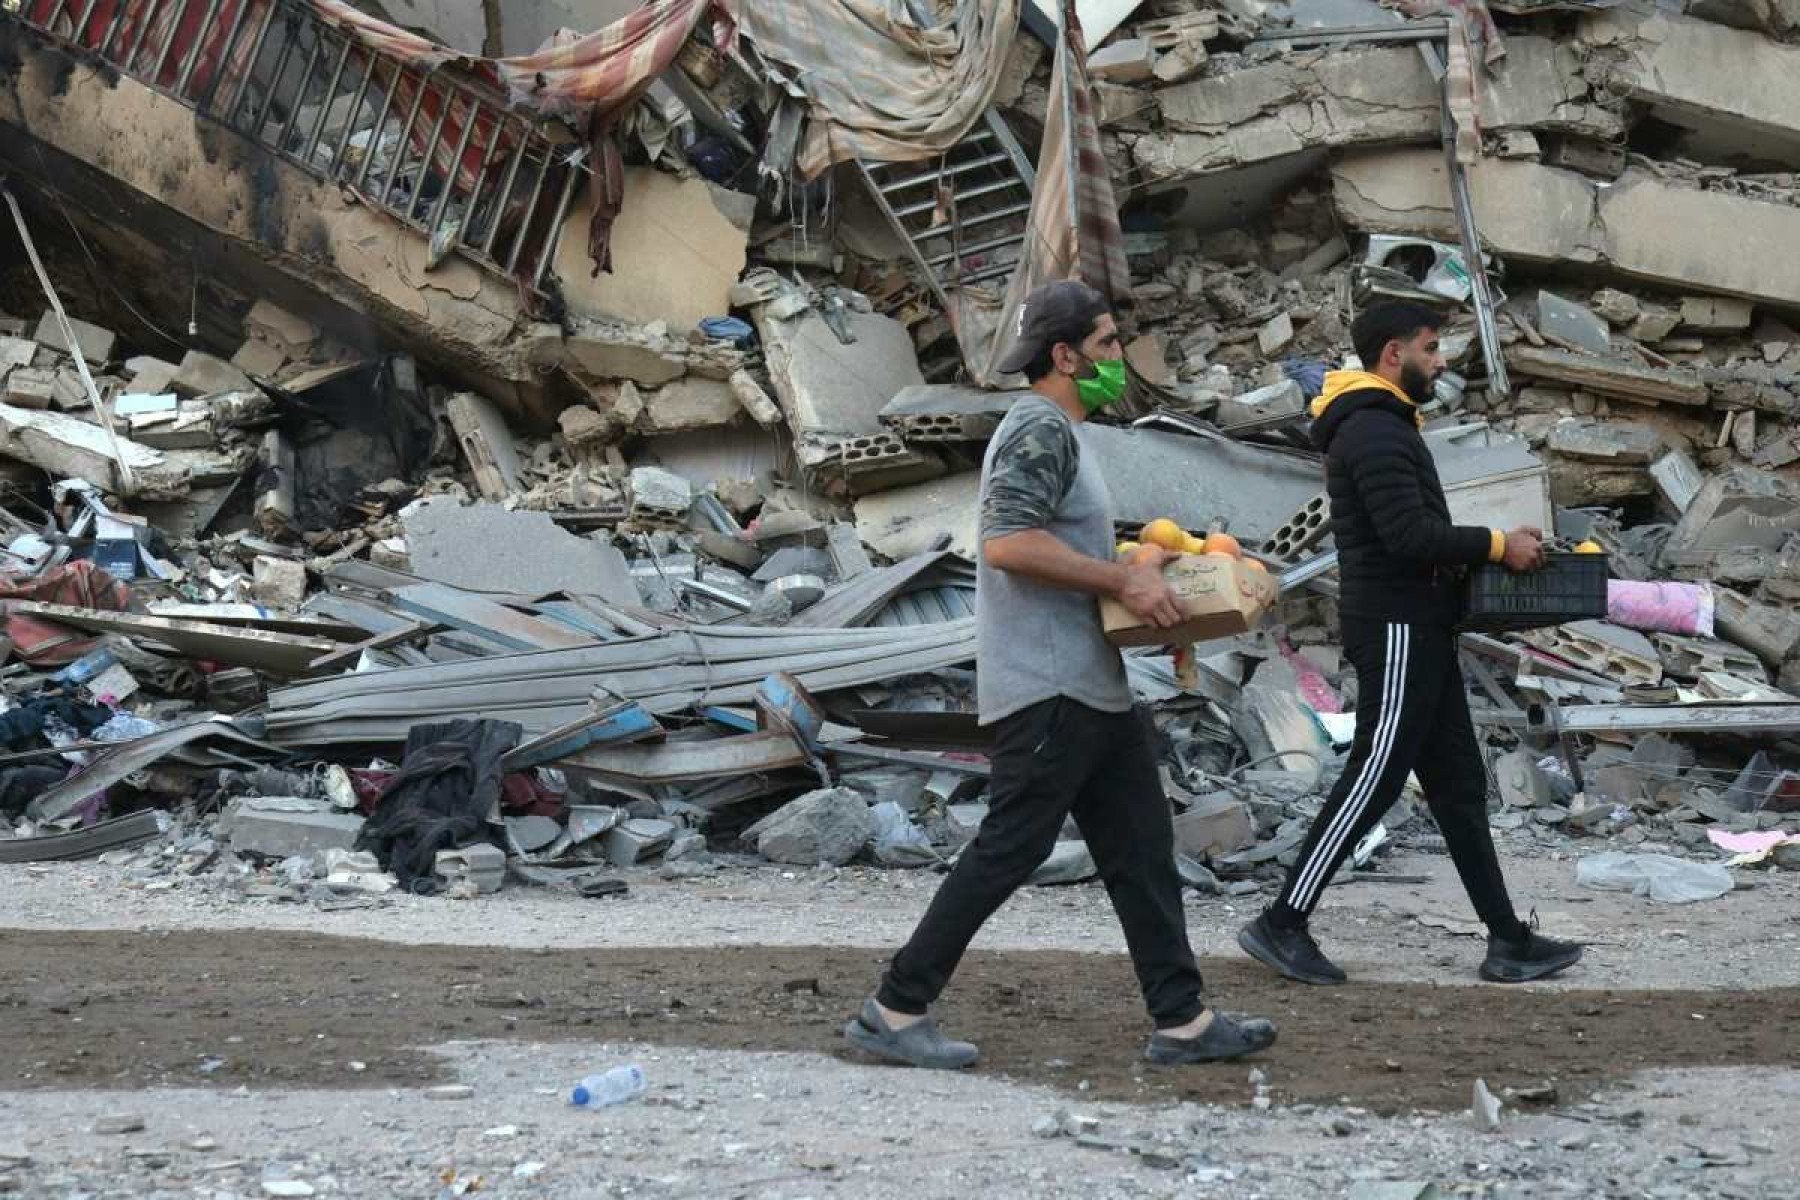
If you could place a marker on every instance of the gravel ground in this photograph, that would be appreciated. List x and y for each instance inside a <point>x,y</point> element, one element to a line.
<point>718,1124</point>
<point>1750,938</point>
<point>733,1123</point>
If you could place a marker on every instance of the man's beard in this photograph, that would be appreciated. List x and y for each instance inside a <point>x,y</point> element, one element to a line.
<point>1417,384</point>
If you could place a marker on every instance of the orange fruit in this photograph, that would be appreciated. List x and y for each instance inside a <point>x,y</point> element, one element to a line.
<point>1193,545</point>
<point>1223,543</point>
<point>1165,533</point>
<point>1143,554</point>
<point>1256,564</point>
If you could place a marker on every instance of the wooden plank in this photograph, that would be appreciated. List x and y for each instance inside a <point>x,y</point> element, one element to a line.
<point>1608,377</point>
<point>278,653</point>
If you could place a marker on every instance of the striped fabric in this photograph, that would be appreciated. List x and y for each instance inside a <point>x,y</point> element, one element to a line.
<point>1474,38</point>
<point>590,81</point>
<point>1073,230</point>
<point>880,87</point>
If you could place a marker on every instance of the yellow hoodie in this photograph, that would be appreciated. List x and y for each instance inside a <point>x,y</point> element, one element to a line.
<point>1337,383</point>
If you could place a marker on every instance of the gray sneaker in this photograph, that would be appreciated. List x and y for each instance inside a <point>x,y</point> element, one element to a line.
<point>1226,1037</point>
<point>920,1044</point>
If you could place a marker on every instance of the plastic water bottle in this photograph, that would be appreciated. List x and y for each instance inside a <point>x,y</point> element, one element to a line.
<point>609,1087</point>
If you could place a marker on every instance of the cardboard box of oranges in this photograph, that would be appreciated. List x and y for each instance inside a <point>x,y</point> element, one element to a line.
<point>1220,591</point>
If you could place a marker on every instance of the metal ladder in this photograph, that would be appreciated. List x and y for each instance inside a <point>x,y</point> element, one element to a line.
<point>963,217</point>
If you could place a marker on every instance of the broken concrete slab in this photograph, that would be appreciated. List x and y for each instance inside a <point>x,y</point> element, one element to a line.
<point>147,374</point>
<point>831,391</point>
<point>30,387</point>
<point>16,352</point>
<point>1215,825</point>
<point>1284,399</point>
<point>1732,92</point>
<point>1678,480</point>
<point>689,403</point>
<point>96,343</point>
<point>631,842</point>
<point>1716,314</point>
<point>829,826</point>
<point>1610,377</point>
<point>1616,308</point>
<point>1741,508</point>
<point>278,582</point>
<point>946,413</point>
<point>1770,632</point>
<point>608,357</point>
<point>485,548</point>
<point>1197,481</point>
<point>1607,441</point>
<point>1128,60</point>
<point>66,447</point>
<point>1541,214</point>
<point>259,358</point>
<point>487,445</point>
<point>201,374</point>
<point>759,404</point>
<point>269,322</point>
<point>915,520</point>
<point>1260,115</point>
<point>1564,320</point>
<point>286,827</point>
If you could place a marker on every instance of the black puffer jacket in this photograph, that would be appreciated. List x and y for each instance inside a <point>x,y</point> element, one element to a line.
<point>1398,552</point>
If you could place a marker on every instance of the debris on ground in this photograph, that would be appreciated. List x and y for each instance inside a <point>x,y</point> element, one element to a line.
<point>651,548</point>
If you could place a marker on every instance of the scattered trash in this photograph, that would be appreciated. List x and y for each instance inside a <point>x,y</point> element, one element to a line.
<point>614,1086</point>
<point>1661,877</point>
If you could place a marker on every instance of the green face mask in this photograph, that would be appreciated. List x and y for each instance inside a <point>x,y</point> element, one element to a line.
<point>1105,386</point>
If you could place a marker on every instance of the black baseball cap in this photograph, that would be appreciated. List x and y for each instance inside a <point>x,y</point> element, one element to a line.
<point>1064,311</point>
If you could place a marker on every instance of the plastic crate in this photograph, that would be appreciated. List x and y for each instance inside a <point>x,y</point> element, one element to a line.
<point>1570,587</point>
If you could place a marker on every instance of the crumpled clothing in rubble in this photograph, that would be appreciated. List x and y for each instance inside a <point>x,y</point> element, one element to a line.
<point>448,781</point>
<point>81,584</point>
<point>27,721</point>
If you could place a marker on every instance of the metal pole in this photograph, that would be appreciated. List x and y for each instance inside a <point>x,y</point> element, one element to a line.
<point>81,23</point>
<point>136,40</point>
<point>224,61</point>
<point>480,184</point>
<point>446,99</point>
<point>462,147</point>
<point>375,130</point>
<point>537,190</point>
<point>506,188</point>
<point>412,115</point>
<point>356,107</point>
<point>56,10</point>
<point>337,75</point>
<point>228,112</point>
<point>112,27</point>
<point>261,116</point>
<point>1499,385</point>
<point>192,58</point>
<point>168,43</point>
<point>562,211</point>
<point>306,76</point>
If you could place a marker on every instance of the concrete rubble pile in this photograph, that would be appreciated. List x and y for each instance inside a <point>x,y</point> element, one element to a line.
<point>699,594</point>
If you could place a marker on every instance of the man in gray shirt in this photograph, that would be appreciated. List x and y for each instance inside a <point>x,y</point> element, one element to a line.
<point>1067,740</point>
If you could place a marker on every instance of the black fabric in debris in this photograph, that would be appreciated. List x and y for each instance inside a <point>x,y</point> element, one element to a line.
<point>19,786</point>
<point>26,722</point>
<point>448,782</point>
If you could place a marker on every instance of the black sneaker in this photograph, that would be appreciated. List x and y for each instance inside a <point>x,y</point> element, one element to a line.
<point>1290,951</point>
<point>1533,956</point>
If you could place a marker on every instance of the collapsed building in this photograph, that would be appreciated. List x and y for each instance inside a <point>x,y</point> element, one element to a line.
<point>428,363</point>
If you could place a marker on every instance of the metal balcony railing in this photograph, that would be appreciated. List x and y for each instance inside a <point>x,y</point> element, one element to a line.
<point>436,149</point>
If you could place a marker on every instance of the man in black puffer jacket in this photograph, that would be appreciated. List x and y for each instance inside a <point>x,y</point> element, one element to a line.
<point>1399,559</point>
